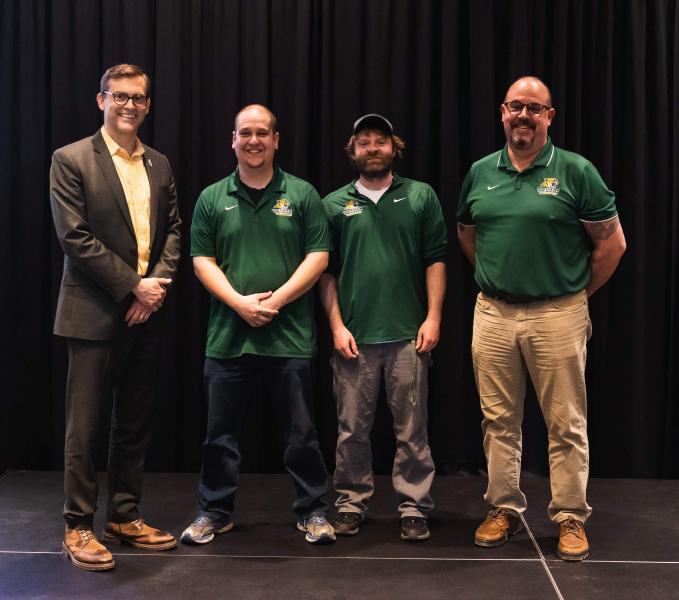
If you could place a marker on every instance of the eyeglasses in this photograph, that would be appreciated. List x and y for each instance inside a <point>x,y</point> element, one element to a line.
<point>122,98</point>
<point>534,108</point>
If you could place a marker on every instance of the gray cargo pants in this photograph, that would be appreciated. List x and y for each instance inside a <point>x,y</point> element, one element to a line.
<point>356,386</point>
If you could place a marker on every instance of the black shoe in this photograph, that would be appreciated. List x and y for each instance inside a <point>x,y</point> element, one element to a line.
<point>414,529</point>
<point>346,523</point>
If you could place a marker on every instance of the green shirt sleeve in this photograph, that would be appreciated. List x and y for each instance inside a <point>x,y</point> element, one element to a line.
<point>202,228</point>
<point>435,232</point>
<point>463,215</point>
<point>333,261</point>
<point>316,233</point>
<point>596,201</point>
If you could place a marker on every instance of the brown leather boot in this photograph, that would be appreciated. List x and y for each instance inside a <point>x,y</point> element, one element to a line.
<point>573,544</point>
<point>497,527</point>
<point>85,551</point>
<point>139,534</point>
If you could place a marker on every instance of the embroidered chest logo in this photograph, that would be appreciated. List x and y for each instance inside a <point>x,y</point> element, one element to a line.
<point>549,187</point>
<point>282,208</point>
<point>351,208</point>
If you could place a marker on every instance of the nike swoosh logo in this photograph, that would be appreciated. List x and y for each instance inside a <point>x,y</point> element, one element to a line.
<point>399,199</point>
<point>492,187</point>
<point>231,207</point>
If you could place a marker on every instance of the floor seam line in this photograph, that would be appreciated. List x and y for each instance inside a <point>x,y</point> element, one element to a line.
<point>289,556</point>
<point>625,562</point>
<point>423,558</point>
<point>366,558</point>
<point>542,558</point>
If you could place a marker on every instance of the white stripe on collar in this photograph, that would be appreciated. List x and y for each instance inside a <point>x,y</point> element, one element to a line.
<point>551,156</point>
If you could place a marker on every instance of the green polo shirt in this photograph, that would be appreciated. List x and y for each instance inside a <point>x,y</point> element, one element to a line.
<point>381,253</point>
<point>259,248</point>
<point>530,241</point>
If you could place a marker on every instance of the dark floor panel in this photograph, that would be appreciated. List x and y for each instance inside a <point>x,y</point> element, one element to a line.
<point>30,498</point>
<point>169,578</point>
<point>622,581</point>
<point>632,519</point>
<point>264,522</point>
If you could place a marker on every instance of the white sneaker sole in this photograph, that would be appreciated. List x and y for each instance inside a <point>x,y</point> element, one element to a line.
<point>326,538</point>
<point>187,538</point>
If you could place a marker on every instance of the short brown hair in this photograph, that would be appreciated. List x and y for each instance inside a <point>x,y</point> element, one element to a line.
<point>122,71</point>
<point>397,142</point>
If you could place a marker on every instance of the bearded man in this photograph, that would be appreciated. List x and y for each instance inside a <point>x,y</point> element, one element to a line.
<point>383,299</point>
<point>541,229</point>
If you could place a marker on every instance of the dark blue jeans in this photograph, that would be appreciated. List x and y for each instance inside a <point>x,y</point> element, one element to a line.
<point>231,385</point>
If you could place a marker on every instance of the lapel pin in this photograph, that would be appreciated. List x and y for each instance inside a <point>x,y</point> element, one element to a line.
<point>150,163</point>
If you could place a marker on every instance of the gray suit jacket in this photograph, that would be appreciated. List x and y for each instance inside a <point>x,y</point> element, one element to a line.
<point>94,227</point>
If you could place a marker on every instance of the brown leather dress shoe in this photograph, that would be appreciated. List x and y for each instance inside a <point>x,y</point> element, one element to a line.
<point>573,544</point>
<point>497,527</point>
<point>139,534</point>
<point>85,552</point>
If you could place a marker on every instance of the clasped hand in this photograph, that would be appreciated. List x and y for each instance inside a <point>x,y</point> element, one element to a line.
<point>151,291</point>
<point>149,294</point>
<point>257,309</point>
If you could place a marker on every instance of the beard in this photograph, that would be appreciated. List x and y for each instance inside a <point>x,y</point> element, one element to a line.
<point>517,138</point>
<point>370,167</point>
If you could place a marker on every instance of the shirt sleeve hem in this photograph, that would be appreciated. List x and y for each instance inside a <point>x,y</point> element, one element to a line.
<point>600,220</point>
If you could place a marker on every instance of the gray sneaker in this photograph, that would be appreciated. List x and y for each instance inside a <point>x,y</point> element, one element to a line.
<point>317,529</point>
<point>203,530</point>
<point>347,523</point>
<point>414,529</point>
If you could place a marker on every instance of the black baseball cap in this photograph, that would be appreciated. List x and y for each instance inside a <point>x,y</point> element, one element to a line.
<point>373,121</point>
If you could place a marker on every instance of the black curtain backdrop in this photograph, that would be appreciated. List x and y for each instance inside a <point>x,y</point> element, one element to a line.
<point>439,70</point>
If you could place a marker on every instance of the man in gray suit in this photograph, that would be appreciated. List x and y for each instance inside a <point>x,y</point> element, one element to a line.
<point>115,213</point>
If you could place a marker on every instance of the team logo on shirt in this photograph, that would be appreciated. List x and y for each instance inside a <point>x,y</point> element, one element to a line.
<point>351,208</point>
<point>282,208</point>
<point>549,187</point>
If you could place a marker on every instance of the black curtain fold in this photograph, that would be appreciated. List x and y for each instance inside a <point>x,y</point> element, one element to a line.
<point>438,70</point>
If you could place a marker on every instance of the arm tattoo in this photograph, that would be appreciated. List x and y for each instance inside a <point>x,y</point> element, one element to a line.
<point>603,230</point>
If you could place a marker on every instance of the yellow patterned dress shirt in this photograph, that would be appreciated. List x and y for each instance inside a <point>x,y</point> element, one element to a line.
<point>137,190</point>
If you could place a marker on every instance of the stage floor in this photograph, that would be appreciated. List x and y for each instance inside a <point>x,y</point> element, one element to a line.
<point>633,533</point>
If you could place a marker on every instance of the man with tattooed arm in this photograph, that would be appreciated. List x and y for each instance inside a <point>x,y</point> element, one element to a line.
<point>542,231</point>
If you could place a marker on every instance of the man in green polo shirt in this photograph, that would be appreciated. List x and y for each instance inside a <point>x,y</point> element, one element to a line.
<point>541,229</point>
<point>383,298</point>
<point>259,241</point>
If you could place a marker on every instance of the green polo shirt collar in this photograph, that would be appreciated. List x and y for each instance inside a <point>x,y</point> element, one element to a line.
<point>544,157</point>
<point>234,187</point>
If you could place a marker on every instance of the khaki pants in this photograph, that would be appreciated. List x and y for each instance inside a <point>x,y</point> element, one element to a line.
<point>357,385</point>
<point>547,339</point>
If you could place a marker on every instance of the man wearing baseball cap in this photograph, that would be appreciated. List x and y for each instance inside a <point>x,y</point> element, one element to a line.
<point>383,295</point>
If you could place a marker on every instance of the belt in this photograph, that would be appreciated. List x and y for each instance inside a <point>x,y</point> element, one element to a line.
<point>514,299</point>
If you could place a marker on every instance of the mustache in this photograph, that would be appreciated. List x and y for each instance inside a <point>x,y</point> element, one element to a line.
<point>525,122</point>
